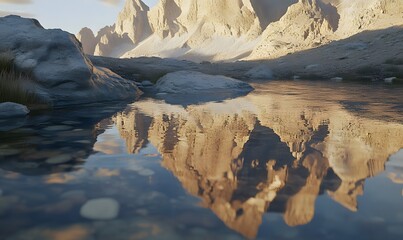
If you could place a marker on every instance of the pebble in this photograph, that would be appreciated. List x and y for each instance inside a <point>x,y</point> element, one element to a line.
<point>100,209</point>
<point>57,128</point>
<point>8,152</point>
<point>146,172</point>
<point>63,158</point>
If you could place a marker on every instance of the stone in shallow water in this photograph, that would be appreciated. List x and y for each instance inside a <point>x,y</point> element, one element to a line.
<point>63,158</point>
<point>100,209</point>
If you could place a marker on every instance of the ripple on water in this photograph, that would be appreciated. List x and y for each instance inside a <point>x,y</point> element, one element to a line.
<point>60,159</point>
<point>57,128</point>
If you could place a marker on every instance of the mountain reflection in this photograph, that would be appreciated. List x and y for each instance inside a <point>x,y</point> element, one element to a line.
<point>267,152</point>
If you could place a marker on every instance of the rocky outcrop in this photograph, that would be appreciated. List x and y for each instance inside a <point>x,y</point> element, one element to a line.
<point>61,74</point>
<point>88,40</point>
<point>131,27</point>
<point>133,21</point>
<point>110,43</point>
<point>306,24</point>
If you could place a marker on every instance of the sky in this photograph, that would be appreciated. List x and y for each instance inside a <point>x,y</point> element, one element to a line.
<point>69,15</point>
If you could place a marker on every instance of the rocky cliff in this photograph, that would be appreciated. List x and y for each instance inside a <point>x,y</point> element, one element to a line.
<point>238,29</point>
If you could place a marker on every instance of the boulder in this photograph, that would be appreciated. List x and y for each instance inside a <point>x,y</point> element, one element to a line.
<point>10,109</point>
<point>190,82</point>
<point>60,72</point>
<point>189,87</point>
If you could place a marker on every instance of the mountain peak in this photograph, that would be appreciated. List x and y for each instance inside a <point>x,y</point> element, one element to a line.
<point>132,20</point>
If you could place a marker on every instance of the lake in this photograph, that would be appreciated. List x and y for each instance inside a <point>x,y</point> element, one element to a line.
<point>291,160</point>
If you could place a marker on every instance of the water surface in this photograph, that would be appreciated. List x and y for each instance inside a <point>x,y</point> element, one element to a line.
<point>291,160</point>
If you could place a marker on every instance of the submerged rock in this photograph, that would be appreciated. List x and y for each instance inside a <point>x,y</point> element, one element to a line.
<point>100,209</point>
<point>61,73</point>
<point>10,109</point>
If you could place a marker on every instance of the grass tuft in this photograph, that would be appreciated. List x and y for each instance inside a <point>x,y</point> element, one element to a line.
<point>12,85</point>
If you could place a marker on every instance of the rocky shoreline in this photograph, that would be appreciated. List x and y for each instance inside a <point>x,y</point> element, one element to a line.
<point>369,56</point>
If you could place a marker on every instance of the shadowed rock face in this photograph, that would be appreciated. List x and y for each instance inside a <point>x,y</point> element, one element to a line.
<point>266,152</point>
<point>59,71</point>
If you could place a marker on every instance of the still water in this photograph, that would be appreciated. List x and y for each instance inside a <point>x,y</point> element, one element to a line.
<point>291,160</point>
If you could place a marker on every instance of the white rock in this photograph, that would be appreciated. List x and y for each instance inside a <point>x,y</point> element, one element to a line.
<point>260,72</point>
<point>61,73</point>
<point>390,80</point>
<point>100,209</point>
<point>189,82</point>
<point>10,109</point>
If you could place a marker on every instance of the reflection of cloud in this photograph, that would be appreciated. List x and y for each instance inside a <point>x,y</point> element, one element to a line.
<point>108,147</point>
<point>104,172</point>
<point>22,14</point>
<point>110,2</point>
<point>59,178</point>
<point>16,1</point>
<point>396,178</point>
<point>72,233</point>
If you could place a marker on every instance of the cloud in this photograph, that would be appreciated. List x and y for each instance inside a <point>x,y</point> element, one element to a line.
<point>16,1</point>
<point>109,2</point>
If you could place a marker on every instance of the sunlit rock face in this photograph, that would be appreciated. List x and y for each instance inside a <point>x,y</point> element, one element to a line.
<point>88,40</point>
<point>245,29</point>
<point>133,21</point>
<point>306,24</point>
<point>266,152</point>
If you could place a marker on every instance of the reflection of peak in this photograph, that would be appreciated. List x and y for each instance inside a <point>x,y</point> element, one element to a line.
<point>133,127</point>
<point>237,155</point>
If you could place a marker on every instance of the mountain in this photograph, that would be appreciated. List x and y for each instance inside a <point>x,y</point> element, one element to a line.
<point>217,30</point>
